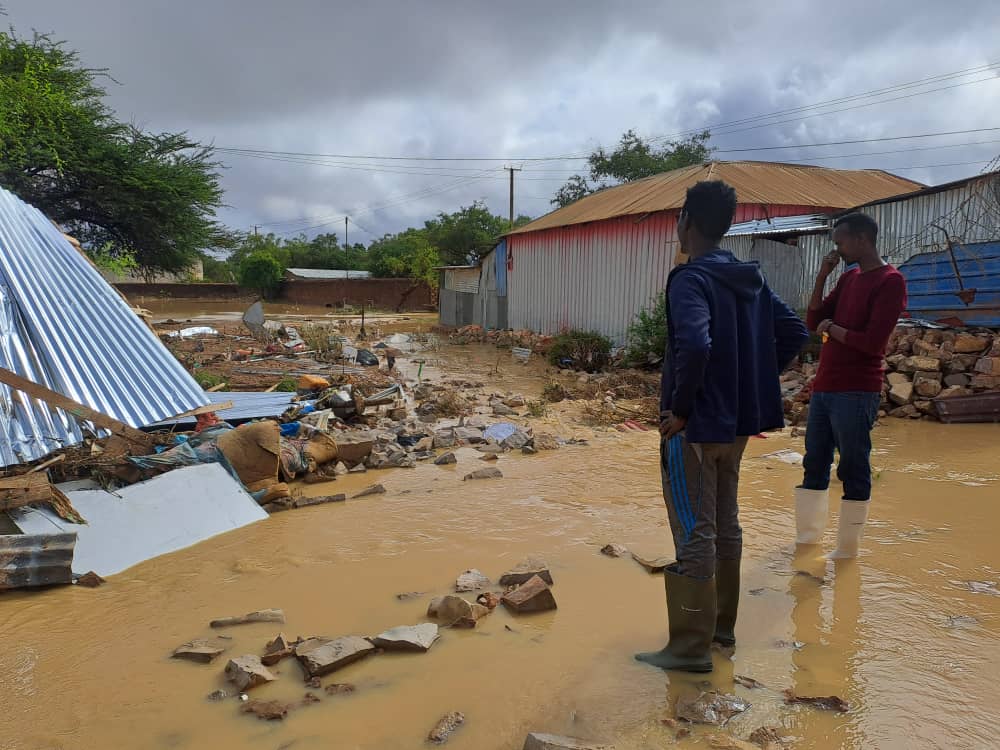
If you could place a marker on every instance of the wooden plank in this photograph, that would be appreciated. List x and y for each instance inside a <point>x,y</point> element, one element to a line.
<point>208,409</point>
<point>216,388</point>
<point>75,408</point>
<point>16,492</point>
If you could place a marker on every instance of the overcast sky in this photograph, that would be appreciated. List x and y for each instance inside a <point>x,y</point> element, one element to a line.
<point>525,79</point>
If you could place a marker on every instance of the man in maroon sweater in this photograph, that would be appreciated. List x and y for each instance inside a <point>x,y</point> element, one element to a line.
<point>857,320</point>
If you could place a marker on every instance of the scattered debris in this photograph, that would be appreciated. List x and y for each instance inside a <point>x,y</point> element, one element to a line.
<point>89,580</point>
<point>488,600</point>
<point>375,489</point>
<point>202,650</point>
<point>539,741</point>
<point>961,621</point>
<point>794,645</point>
<point>983,587</point>
<point>768,738</point>
<point>407,638</point>
<point>748,682</point>
<point>727,742</point>
<point>456,611</point>
<point>339,688</point>
<point>491,473</point>
<point>266,710</point>
<point>525,571</point>
<point>445,727</point>
<point>710,708</point>
<point>827,703</point>
<point>217,695</point>
<point>261,615</point>
<point>407,595</point>
<point>320,656</point>
<point>36,559</point>
<point>309,699</point>
<point>305,502</point>
<point>471,580</point>
<point>614,550</point>
<point>247,671</point>
<point>532,596</point>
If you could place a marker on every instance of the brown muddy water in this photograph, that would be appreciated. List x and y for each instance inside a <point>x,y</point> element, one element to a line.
<point>899,633</point>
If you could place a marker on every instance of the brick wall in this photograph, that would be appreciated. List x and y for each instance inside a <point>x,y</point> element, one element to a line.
<point>137,292</point>
<point>383,294</point>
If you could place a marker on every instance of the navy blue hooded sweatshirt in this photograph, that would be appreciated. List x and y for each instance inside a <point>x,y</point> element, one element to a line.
<point>728,339</point>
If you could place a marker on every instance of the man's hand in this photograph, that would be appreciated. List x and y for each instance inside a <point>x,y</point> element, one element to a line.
<point>830,262</point>
<point>672,425</point>
<point>824,326</point>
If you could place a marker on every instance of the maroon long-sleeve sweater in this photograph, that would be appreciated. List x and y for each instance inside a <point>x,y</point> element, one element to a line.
<point>868,305</point>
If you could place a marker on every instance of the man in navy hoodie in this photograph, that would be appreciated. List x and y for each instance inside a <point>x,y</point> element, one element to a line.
<point>729,338</point>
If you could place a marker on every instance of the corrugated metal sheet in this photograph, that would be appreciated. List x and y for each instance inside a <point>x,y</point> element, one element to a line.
<point>327,273</point>
<point>598,277</point>
<point>246,405</point>
<point>462,279</point>
<point>780,225</point>
<point>65,327</point>
<point>500,258</point>
<point>932,285</point>
<point>766,183</point>
<point>36,559</point>
<point>789,271</point>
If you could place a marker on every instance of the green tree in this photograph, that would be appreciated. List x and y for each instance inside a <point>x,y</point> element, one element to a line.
<point>632,159</point>
<point>467,234</point>
<point>261,271</point>
<point>216,271</point>
<point>147,196</point>
<point>408,254</point>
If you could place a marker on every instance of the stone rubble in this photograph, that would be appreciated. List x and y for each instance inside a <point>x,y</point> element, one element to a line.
<point>247,672</point>
<point>321,656</point>
<point>407,638</point>
<point>531,596</point>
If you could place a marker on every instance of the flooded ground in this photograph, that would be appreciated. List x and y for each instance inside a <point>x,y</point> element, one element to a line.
<point>900,634</point>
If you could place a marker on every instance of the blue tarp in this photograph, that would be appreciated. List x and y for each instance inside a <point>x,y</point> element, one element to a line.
<point>932,285</point>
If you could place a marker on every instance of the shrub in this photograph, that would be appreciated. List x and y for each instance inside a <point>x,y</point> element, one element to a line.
<point>261,271</point>
<point>554,393</point>
<point>537,408</point>
<point>583,350</point>
<point>208,379</point>
<point>647,335</point>
<point>287,385</point>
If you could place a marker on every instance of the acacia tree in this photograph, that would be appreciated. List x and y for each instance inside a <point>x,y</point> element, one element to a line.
<point>151,197</point>
<point>632,159</point>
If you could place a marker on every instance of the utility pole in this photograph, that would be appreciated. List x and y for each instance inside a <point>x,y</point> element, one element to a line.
<point>255,229</point>
<point>512,170</point>
<point>345,232</point>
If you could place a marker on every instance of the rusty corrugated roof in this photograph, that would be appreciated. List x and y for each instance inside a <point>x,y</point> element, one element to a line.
<point>770,183</point>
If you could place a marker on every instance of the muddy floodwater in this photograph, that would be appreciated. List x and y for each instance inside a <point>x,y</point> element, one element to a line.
<point>908,634</point>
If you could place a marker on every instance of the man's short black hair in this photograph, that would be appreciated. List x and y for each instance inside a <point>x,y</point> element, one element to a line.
<point>711,205</point>
<point>858,223</point>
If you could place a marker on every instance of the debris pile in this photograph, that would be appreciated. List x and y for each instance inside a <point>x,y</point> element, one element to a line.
<point>926,368</point>
<point>502,339</point>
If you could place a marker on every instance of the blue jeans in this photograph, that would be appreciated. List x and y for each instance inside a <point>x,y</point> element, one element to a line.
<point>841,421</point>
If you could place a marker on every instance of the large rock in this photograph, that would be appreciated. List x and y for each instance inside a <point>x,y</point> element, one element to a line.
<point>247,672</point>
<point>525,571</point>
<point>966,343</point>
<point>469,434</point>
<point>903,412</point>
<point>901,394</point>
<point>957,379</point>
<point>955,390</point>
<point>982,382</point>
<point>471,580</point>
<point>500,410</point>
<point>353,448</point>
<point>539,741</point>
<point>546,442</point>
<point>490,473</point>
<point>202,650</point>
<point>375,489</point>
<point>927,384</point>
<point>408,637</point>
<point>333,655</point>
<point>444,439</point>
<point>912,364</point>
<point>445,727</point>
<point>518,439</point>
<point>456,611</point>
<point>653,564</point>
<point>276,650</point>
<point>988,366</point>
<point>962,363</point>
<point>533,596</point>
<point>446,459</point>
<point>897,378</point>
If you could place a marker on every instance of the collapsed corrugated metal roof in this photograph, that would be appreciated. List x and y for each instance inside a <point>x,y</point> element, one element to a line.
<point>64,327</point>
<point>780,225</point>
<point>768,183</point>
<point>246,405</point>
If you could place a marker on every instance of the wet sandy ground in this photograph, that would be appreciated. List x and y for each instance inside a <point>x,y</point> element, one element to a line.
<point>898,633</point>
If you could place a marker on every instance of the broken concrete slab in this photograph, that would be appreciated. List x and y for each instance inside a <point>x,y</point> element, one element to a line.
<point>489,473</point>
<point>407,637</point>
<point>525,570</point>
<point>333,655</point>
<point>446,459</point>
<point>353,447</point>
<point>202,650</point>
<point>247,672</point>
<point>540,741</point>
<point>148,519</point>
<point>471,580</point>
<point>305,502</point>
<point>532,596</point>
<point>446,725</point>
<point>375,489</point>
<point>276,650</point>
<point>261,615</point>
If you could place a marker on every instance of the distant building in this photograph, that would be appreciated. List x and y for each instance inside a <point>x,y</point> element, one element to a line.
<point>596,263</point>
<point>323,274</point>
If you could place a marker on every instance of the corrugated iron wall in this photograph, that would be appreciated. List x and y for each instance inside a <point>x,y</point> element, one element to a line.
<point>599,276</point>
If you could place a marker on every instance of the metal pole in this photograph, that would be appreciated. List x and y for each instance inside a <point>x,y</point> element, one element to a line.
<point>512,170</point>
<point>345,232</point>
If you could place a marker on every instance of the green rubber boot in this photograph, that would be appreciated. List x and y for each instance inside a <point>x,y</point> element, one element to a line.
<point>691,607</point>
<point>727,589</point>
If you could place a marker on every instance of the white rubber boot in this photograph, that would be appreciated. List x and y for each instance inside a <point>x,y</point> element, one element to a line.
<point>853,517</point>
<point>811,510</point>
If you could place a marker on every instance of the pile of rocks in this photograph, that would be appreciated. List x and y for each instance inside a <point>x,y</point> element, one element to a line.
<point>922,364</point>
<point>503,339</point>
